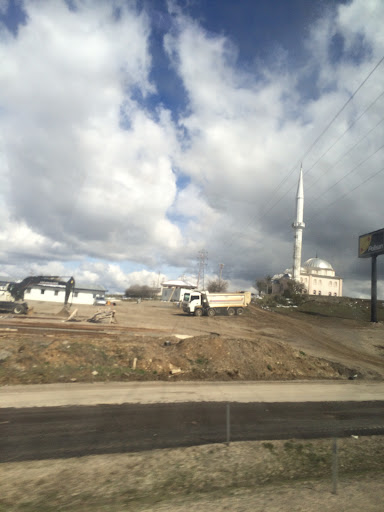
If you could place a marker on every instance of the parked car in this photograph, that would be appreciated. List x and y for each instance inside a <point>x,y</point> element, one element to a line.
<point>100,301</point>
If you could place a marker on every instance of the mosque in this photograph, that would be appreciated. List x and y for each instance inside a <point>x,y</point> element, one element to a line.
<point>316,274</point>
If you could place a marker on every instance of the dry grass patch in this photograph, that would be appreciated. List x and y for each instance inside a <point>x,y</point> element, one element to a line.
<point>139,481</point>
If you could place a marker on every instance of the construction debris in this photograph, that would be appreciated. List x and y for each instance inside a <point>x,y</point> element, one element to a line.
<point>175,371</point>
<point>64,311</point>
<point>71,317</point>
<point>103,316</point>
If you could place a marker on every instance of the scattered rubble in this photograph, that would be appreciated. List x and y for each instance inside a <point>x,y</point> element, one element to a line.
<point>103,317</point>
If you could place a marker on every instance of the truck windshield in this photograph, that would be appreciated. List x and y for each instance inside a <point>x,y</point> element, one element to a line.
<point>186,297</point>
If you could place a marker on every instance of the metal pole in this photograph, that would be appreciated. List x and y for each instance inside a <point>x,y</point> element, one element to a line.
<point>221,266</point>
<point>335,466</point>
<point>228,424</point>
<point>374,289</point>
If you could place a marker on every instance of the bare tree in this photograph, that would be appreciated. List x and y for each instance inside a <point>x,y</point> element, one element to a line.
<point>264,285</point>
<point>295,291</point>
<point>141,291</point>
<point>217,286</point>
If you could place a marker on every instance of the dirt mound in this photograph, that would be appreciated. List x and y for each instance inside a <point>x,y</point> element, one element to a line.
<point>44,358</point>
<point>217,357</point>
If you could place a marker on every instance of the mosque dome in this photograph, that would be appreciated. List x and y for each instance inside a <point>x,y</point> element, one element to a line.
<point>317,263</point>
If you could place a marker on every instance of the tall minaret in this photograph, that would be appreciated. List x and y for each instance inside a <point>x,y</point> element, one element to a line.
<point>298,226</point>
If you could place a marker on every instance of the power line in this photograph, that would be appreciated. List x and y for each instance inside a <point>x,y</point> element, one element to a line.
<point>320,196</point>
<point>353,169</point>
<point>203,256</point>
<point>328,170</point>
<point>327,127</point>
<point>321,135</point>
<point>342,108</point>
<point>340,198</point>
<point>346,131</point>
<point>345,154</point>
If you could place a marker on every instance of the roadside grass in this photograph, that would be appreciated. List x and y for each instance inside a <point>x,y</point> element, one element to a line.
<point>138,481</point>
<point>45,373</point>
<point>349,309</point>
<point>338,307</point>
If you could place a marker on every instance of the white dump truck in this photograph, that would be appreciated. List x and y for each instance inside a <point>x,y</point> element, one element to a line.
<point>205,303</point>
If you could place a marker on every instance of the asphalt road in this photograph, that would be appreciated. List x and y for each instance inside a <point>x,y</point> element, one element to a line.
<point>56,432</point>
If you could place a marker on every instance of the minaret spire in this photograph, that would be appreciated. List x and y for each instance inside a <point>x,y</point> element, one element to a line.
<point>298,226</point>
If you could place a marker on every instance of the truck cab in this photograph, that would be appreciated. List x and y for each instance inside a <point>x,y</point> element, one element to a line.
<point>193,303</point>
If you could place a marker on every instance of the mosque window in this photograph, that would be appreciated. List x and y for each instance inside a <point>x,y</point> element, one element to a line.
<point>315,281</point>
<point>330,294</point>
<point>314,292</point>
<point>319,281</point>
<point>319,292</point>
<point>335,294</point>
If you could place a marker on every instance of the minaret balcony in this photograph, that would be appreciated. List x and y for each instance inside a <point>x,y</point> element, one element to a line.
<point>298,225</point>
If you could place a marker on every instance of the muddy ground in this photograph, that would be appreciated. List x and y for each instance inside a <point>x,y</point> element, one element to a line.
<point>156,341</point>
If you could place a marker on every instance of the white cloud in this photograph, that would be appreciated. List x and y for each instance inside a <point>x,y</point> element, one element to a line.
<point>90,168</point>
<point>76,174</point>
<point>4,5</point>
<point>114,278</point>
<point>246,132</point>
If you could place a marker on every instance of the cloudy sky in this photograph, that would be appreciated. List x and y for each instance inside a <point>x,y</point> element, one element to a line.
<point>136,134</point>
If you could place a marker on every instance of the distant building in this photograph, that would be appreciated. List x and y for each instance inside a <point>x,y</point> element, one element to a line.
<point>83,293</point>
<point>173,291</point>
<point>317,275</point>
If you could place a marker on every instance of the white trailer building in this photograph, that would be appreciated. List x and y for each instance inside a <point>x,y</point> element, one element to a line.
<point>173,291</point>
<point>84,293</point>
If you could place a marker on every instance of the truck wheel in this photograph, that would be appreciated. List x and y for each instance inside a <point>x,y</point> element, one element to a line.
<point>231,311</point>
<point>18,309</point>
<point>211,312</point>
<point>240,311</point>
<point>198,312</point>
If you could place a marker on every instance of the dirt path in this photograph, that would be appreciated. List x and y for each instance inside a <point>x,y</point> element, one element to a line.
<point>59,395</point>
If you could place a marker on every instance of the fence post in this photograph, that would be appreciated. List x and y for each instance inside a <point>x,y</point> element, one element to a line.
<point>335,466</point>
<point>228,425</point>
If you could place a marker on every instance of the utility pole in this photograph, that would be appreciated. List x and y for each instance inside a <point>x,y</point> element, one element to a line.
<point>203,257</point>
<point>221,266</point>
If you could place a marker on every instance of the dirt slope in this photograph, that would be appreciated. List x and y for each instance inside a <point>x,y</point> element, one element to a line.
<point>150,342</point>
